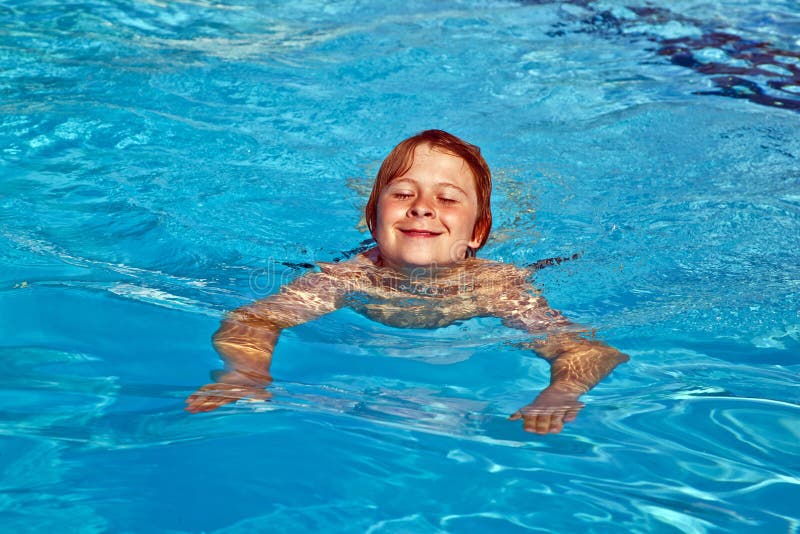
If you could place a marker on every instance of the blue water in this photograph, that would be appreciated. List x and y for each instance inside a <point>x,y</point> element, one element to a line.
<point>163,162</point>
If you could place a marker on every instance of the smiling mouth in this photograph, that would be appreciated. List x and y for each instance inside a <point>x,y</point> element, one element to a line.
<point>420,233</point>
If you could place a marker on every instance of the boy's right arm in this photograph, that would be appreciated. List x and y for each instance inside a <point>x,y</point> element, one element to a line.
<point>247,337</point>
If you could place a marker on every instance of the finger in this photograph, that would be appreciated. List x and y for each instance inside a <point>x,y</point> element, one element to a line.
<point>197,407</point>
<point>194,403</point>
<point>571,415</point>
<point>212,396</point>
<point>205,401</point>
<point>214,403</point>
<point>557,422</point>
<point>543,423</point>
<point>202,405</point>
<point>538,423</point>
<point>529,424</point>
<point>516,416</point>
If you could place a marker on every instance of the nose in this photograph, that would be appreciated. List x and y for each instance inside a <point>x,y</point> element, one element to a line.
<point>421,208</point>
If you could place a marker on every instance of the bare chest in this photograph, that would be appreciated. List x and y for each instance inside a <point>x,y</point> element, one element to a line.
<point>414,310</point>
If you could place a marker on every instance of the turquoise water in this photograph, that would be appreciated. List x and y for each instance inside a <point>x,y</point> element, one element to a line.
<point>163,162</point>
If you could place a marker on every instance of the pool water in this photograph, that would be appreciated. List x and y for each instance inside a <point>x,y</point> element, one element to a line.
<point>164,162</point>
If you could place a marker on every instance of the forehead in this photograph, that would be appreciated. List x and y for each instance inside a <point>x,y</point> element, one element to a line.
<point>430,163</point>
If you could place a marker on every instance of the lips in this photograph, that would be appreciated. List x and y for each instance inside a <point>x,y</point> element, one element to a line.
<point>419,232</point>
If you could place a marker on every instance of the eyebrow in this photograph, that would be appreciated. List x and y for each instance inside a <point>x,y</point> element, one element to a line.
<point>439,184</point>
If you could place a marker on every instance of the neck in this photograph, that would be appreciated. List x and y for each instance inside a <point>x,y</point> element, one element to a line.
<point>432,271</point>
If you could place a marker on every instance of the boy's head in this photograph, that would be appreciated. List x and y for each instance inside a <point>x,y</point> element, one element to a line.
<point>401,160</point>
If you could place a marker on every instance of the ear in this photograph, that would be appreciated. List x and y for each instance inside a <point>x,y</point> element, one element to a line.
<point>478,233</point>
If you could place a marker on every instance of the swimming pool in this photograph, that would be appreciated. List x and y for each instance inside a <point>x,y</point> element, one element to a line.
<point>163,162</point>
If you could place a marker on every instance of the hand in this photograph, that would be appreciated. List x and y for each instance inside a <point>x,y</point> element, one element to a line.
<point>551,409</point>
<point>212,396</point>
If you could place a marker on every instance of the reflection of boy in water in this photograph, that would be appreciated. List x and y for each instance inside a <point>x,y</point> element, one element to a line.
<point>428,212</point>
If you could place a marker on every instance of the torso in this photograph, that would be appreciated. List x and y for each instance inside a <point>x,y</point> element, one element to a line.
<point>424,299</point>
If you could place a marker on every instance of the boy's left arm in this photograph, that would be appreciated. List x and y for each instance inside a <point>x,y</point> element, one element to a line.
<point>577,363</point>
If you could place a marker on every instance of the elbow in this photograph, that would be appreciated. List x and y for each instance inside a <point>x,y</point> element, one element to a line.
<point>231,326</point>
<point>222,334</point>
<point>217,336</point>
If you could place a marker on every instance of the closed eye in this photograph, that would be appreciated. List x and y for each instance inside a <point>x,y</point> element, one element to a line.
<point>401,196</point>
<point>447,200</point>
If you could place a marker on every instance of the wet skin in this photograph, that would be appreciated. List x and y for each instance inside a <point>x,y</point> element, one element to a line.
<point>418,276</point>
<point>426,216</point>
<point>473,288</point>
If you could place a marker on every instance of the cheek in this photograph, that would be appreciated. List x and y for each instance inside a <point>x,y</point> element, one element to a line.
<point>388,210</point>
<point>383,215</point>
<point>466,220</point>
<point>380,211</point>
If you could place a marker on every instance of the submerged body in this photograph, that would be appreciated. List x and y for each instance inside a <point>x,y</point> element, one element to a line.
<point>422,298</point>
<point>429,212</point>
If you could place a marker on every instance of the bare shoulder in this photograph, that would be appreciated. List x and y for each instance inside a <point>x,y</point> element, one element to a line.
<point>328,279</point>
<point>507,291</point>
<point>354,267</point>
<point>355,273</point>
<point>500,277</point>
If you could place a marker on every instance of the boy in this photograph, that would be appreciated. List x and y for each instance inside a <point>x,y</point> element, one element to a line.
<point>429,213</point>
